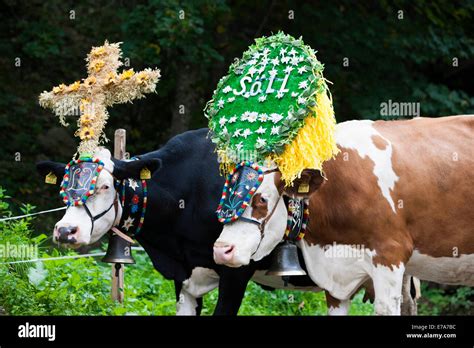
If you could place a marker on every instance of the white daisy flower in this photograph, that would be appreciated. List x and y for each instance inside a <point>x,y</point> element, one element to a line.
<point>231,99</point>
<point>260,130</point>
<point>245,116</point>
<point>233,119</point>
<point>303,85</point>
<point>275,130</point>
<point>263,117</point>
<point>302,69</point>
<point>294,94</point>
<point>275,61</point>
<point>236,133</point>
<point>252,117</point>
<point>252,70</point>
<point>288,69</point>
<point>283,51</point>
<point>285,59</point>
<point>220,103</point>
<point>222,121</point>
<point>273,72</point>
<point>301,100</point>
<point>295,61</point>
<point>246,133</point>
<point>275,117</point>
<point>261,142</point>
<point>224,131</point>
<point>292,52</point>
<point>227,89</point>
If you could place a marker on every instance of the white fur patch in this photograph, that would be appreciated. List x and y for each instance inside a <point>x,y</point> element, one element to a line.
<point>444,270</point>
<point>201,281</point>
<point>342,309</point>
<point>357,135</point>
<point>276,282</point>
<point>388,283</point>
<point>341,276</point>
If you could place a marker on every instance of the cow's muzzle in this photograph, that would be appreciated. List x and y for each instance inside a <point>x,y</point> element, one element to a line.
<point>66,234</point>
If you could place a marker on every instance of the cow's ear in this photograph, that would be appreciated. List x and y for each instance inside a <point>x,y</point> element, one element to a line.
<point>46,168</point>
<point>132,169</point>
<point>309,181</point>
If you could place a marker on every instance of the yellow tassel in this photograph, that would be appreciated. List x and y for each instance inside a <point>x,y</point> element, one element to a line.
<point>314,143</point>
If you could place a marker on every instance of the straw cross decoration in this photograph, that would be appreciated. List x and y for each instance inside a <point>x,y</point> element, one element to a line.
<point>103,87</point>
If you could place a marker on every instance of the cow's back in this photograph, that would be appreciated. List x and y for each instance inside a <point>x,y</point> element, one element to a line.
<point>402,189</point>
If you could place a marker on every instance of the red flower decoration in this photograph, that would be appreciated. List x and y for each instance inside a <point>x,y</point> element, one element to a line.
<point>135,199</point>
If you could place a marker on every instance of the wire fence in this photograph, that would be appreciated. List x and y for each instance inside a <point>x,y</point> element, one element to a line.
<point>57,257</point>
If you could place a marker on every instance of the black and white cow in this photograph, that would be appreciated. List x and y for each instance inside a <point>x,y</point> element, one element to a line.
<point>180,224</point>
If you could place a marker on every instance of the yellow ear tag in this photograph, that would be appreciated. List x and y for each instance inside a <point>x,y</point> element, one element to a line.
<point>50,178</point>
<point>303,188</point>
<point>145,173</point>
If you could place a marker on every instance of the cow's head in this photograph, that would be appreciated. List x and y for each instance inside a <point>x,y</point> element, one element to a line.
<point>244,240</point>
<point>76,227</point>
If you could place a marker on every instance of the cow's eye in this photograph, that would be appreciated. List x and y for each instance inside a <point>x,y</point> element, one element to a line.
<point>263,200</point>
<point>105,187</point>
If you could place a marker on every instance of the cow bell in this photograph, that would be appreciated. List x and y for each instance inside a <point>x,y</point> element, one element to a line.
<point>284,261</point>
<point>118,251</point>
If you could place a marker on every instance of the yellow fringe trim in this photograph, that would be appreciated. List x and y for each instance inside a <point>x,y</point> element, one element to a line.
<point>314,143</point>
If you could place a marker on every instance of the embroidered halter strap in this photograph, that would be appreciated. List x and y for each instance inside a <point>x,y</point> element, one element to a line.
<point>298,216</point>
<point>133,195</point>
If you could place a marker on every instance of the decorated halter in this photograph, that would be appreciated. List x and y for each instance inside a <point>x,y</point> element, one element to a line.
<point>298,217</point>
<point>133,197</point>
<point>79,181</point>
<point>239,188</point>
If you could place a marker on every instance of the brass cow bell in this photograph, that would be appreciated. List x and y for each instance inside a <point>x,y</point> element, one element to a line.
<point>118,251</point>
<point>284,261</point>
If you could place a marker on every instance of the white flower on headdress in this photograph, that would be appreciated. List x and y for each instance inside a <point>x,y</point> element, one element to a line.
<point>233,119</point>
<point>252,62</point>
<point>301,58</point>
<point>227,89</point>
<point>246,133</point>
<point>275,61</point>
<point>239,146</point>
<point>260,130</point>
<point>263,117</point>
<point>252,117</point>
<point>220,103</point>
<point>295,61</point>
<point>236,133</point>
<point>276,117</point>
<point>262,98</point>
<point>273,72</point>
<point>252,70</point>
<point>245,116</point>
<point>294,94</point>
<point>224,131</point>
<point>283,51</point>
<point>301,100</point>
<point>302,69</point>
<point>275,130</point>
<point>285,59</point>
<point>303,85</point>
<point>288,69</point>
<point>266,51</point>
<point>261,142</point>
<point>280,95</point>
<point>292,52</point>
<point>231,99</point>
<point>222,121</point>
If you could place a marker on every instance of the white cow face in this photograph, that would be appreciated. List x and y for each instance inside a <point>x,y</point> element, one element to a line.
<point>240,241</point>
<point>76,228</point>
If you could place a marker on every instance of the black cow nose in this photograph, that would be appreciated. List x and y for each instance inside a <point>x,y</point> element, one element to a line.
<point>65,232</point>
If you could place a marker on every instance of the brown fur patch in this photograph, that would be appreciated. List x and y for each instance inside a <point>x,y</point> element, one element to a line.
<point>379,142</point>
<point>259,209</point>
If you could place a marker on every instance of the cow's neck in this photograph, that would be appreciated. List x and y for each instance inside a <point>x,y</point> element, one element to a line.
<point>133,198</point>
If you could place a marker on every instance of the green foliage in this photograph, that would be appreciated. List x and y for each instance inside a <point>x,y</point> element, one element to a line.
<point>436,301</point>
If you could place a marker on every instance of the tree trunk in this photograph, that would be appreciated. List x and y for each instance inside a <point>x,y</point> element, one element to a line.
<point>185,101</point>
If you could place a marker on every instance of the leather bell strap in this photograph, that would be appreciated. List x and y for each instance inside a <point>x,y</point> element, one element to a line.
<point>122,235</point>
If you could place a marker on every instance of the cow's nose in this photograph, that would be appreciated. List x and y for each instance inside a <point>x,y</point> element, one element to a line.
<point>65,233</point>
<point>223,253</point>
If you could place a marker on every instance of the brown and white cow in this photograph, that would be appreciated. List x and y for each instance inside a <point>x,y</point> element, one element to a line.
<point>397,198</point>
